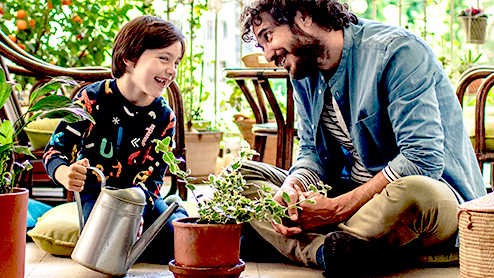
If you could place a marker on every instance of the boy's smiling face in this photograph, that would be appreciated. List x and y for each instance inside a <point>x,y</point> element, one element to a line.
<point>153,72</point>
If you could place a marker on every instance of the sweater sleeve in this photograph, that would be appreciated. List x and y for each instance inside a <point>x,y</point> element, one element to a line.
<point>66,141</point>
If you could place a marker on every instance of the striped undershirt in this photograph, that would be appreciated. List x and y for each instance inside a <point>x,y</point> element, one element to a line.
<point>332,120</point>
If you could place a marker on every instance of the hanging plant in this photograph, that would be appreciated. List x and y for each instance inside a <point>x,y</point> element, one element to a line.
<point>474,22</point>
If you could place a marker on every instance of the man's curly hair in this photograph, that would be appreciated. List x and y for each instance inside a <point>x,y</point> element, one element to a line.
<point>329,14</point>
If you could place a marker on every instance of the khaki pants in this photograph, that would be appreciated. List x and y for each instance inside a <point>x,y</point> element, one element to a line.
<point>415,209</point>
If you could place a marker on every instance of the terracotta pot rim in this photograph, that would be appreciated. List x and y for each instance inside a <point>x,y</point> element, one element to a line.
<point>193,221</point>
<point>17,191</point>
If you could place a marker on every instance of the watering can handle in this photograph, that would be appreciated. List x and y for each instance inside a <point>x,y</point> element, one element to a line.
<point>78,196</point>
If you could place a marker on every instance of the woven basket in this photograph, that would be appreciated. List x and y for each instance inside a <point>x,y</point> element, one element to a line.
<point>475,28</point>
<point>476,225</point>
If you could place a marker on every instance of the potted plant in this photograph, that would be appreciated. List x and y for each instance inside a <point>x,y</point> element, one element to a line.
<point>14,201</point>
<point>209,245</point>
<point>474,22</point>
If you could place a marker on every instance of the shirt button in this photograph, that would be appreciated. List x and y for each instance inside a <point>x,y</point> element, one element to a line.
<point>312,126</point>
<point>320,91</point>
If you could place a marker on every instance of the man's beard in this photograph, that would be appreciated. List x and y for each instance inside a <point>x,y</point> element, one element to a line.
<point>306,49</point>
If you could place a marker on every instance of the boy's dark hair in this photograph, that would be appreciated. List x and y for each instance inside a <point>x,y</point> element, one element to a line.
<point>329,14</point>
<point>139,34</point>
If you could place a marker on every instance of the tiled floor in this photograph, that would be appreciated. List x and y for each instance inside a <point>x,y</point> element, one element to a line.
<point>41,264</point>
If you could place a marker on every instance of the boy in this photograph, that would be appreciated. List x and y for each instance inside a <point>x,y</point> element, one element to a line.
<point>129,113</point>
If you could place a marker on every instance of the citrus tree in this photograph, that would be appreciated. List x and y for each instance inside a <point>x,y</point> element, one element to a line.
<point>67,32</point>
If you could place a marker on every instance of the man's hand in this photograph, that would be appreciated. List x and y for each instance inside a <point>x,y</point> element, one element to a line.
<point>288,187</point>
<point>72,177</point>
<point>323,212</point>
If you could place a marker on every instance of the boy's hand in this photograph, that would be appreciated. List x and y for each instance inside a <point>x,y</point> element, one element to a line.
<point>72,177</point>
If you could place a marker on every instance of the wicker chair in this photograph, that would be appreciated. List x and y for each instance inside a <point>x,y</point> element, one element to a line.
<point>27,65</point>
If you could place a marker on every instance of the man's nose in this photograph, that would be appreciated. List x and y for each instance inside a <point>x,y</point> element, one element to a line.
<point>269,53</point>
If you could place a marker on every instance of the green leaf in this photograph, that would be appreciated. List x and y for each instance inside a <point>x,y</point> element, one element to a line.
<point>5,88</point>
<point>166,141</point>
<point>167,159</point>
<point>6,133</point>
<point>50,102</point>
<point>22,150</point>
<point>310,201</point>
<point>277,219</point>
<point>285,197</point>
<point>174,168</point>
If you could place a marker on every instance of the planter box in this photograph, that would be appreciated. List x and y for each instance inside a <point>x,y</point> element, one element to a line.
<point>475,28</point>
<point>203,149</point>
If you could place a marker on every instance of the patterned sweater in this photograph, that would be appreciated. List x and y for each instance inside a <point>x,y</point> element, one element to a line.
<point>120,144</point>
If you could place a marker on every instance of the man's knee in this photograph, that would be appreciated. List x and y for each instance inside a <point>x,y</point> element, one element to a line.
<point>421,191</point>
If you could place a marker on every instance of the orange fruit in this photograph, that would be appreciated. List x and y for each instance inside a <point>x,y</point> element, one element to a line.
<point>1,9</point>
<point>32,23</point>
<point>66,2</point>
<point>22,46</point>
<point>21,14</point>
<point>50,5</point>
<point>53,62</point>
<point>79,37</point>
<point>12,38</point>
<point>21,24</point>
<point>77,19</point>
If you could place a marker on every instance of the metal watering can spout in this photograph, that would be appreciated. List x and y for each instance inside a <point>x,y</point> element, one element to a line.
<point>148,236</point>
<point>107,242</point>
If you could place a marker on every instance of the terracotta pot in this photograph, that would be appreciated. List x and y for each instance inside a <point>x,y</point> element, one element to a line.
<point>245,126</point>
<point>206,245</point>
<point>13,228</point>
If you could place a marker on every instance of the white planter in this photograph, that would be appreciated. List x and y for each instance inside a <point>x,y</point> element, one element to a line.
<point>202,150</point>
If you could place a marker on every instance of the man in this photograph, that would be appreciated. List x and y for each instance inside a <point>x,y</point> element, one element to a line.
<point>378,121</point>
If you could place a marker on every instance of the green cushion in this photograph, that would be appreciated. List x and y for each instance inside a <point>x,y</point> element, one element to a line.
<point>57,230</point>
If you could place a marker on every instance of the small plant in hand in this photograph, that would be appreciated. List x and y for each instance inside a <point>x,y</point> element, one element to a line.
<point>227,204</point>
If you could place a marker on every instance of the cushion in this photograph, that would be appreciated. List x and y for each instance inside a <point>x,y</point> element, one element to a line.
<point>45,124</point>
<point>57,230</point>
<point>489,131</point>
<point>40,131</point>
<point>35,209</point>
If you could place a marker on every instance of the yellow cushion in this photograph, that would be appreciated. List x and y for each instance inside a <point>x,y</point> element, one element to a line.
<point>57,231</point>
<point>44,124</point>
<point>40,131</point>
<point>489,131</point>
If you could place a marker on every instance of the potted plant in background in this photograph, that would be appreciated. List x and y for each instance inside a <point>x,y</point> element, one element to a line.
<point>201,139</point>
<point>466,62</point>
<point>474,22</point>
<point>209,245</point>
<point>14,201</point>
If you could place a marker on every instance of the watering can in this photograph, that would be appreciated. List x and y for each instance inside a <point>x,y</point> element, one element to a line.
<point>108,241</point>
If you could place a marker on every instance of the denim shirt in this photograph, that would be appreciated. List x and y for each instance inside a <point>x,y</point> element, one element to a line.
<point>400,109</point>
